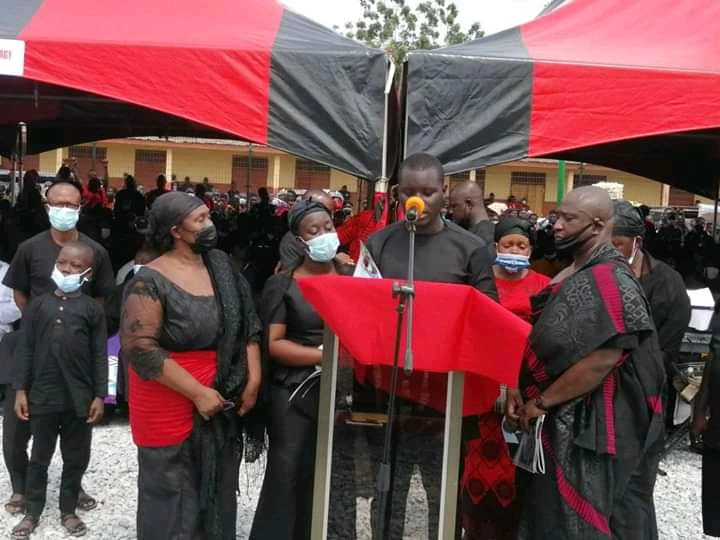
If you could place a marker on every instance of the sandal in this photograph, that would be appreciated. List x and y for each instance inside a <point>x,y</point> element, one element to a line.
<point>16,504</point>
<point>25,528</point>
<point>86,502</point>
<point>73,525</point>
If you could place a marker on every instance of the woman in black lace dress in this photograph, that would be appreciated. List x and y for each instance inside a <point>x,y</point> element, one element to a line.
<point>191,334</point>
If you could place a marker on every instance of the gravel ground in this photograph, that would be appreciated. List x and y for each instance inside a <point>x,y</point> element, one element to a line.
<point>112,475</point>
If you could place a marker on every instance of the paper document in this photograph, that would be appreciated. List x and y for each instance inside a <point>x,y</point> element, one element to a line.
<point>366,267</point>
<point>703,305</point>
<point>530,455</point>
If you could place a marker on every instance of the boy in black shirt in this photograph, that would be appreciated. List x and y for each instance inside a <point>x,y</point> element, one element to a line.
<point>61,382</point>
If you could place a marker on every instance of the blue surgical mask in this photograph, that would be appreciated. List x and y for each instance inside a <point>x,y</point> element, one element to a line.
<point>63,219</point>
<point>512,263</point>
<point>68,283</point>
<point>323,248</point>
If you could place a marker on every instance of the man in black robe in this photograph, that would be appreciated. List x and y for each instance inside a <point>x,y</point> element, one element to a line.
<point>445,253</point>
<point>593,367</point>
<point>663,286</point>
<point>467,205</point>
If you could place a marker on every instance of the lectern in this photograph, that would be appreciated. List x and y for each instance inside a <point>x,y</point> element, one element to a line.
<point>465,346</point>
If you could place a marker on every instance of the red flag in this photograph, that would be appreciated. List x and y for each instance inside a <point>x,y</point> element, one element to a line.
<point>456,328</point>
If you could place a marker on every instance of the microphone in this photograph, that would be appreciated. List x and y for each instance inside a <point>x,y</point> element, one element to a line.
<point>414,208</point>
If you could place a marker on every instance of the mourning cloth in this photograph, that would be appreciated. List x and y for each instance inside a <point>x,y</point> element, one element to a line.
<point>628,221</point>
<point>512,225</point>
<point>168,210</point>
<point>302,209</point>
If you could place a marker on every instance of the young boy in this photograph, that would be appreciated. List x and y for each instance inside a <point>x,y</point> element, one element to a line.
<point>60,384</point>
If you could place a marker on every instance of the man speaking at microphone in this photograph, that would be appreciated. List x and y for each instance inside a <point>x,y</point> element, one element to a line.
<point>446,253</point>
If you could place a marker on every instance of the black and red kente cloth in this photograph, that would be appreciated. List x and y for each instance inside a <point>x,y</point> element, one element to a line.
<point>601,449</point>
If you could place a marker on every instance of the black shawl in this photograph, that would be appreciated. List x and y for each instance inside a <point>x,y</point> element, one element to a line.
<point>240,326</point>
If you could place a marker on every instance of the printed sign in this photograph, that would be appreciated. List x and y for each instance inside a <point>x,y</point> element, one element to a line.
<point>12,57</point>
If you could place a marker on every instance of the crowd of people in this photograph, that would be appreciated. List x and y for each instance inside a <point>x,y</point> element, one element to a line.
<point>217,341</point>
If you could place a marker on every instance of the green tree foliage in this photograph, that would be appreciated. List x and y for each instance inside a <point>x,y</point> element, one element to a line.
<point>398,27</point>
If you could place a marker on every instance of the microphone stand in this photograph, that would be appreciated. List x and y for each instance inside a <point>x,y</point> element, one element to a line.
<point>405,294</point>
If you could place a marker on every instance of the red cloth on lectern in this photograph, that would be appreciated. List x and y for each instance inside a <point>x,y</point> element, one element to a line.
<point>456,328</point>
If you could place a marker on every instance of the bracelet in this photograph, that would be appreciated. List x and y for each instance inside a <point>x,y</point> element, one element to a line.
<point>540,405</point>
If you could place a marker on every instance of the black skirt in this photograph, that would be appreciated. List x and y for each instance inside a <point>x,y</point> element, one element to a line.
<point>711,491</point>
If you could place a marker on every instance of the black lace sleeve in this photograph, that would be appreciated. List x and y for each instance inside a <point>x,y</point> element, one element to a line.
<point>140,327</point>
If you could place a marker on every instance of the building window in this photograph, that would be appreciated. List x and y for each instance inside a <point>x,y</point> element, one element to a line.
<point>150,156</point>
<point>86,152</point>
<point>242,162</point>
<point>527,178</point>
<point>307,166</point>
<point>311,175</point>
<point>581,180</point>
<point>459,178</point>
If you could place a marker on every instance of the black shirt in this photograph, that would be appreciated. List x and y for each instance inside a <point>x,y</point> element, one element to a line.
<point>453,255</point>
<point>283,303</point>
<point>129,201</point>
<point>35,259</point>
<point>485,230</point>
<point>669,305</point>
<point>61,354</point>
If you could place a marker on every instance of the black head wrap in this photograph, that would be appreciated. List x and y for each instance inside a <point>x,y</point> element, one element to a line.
<point>302,209</point>
<point>513,225</point>
<point>167,211</point>
<point>628,220</point>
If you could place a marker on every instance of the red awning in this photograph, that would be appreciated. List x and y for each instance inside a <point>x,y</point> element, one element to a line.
<point>83,70</point>
<point>626,84</point>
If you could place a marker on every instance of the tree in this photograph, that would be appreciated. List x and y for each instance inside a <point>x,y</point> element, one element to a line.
<point>398,28</point>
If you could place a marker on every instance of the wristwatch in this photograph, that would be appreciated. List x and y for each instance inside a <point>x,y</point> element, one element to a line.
<point>540,405</point>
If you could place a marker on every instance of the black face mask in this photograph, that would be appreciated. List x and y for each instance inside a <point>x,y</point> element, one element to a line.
<point>205,240</point>
<point>568,246</point>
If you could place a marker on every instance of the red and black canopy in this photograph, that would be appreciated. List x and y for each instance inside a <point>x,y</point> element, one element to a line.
<point>632,85</point>
<point>84,70</point>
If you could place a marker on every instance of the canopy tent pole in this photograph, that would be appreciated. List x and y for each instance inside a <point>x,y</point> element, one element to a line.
<point>13,178</point>
<point>383,180</point>
<point>715,214</point>
<point>249,166</point>
<point>561,181</point>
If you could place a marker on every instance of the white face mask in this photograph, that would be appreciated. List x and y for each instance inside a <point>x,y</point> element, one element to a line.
<point>634,252</point>
<point>69,283</point>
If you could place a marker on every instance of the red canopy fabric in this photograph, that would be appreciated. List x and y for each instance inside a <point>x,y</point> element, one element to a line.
<point>631,85</point>
<point>82,70</point>
<point>456,328</point>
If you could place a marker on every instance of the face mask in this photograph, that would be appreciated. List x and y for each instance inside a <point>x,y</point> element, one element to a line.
<point>634,252</point>
<point>323,248</point>
<point>63,219</point>
<point>512,263</point>
<point>70,283</point>
<point>568,246</point>
<point>205,240</point>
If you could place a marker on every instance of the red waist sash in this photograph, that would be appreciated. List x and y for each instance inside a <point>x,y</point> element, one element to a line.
<point>160,416</point>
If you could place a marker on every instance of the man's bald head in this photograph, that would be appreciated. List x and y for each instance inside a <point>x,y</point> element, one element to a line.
<point>318,195</point>
<point>468,190</point>
<point>591,200</point>
<point>467,204</point>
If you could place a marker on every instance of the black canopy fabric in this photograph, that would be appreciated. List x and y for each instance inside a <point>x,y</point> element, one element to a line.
<point>80,70</point>
<point>623,84</point>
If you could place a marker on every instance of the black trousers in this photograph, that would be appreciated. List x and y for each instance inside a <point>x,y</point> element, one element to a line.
<point>169,498</point>
<point>284,510</point>
<point>75,441</point>
<point>16,436</point>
